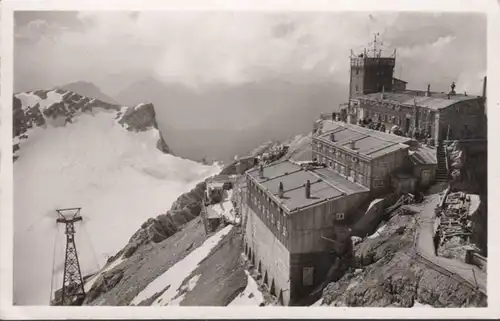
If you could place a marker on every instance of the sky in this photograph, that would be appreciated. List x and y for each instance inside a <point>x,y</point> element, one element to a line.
<point>203,49</point>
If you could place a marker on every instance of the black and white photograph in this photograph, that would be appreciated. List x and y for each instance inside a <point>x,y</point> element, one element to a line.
<point>249,158</point>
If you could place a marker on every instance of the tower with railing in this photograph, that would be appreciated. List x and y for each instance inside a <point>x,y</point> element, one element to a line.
<point>372,70</point>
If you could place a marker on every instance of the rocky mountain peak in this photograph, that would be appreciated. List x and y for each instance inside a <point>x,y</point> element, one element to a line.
<point>59,107</point>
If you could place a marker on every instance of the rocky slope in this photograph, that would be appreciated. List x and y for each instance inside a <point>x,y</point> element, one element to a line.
<point>469,172</point>
<point>387,273</point>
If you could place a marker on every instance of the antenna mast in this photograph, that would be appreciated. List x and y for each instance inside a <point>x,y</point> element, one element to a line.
<point>73,292</point>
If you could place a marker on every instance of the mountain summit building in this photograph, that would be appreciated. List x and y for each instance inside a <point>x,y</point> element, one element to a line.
<point>290,209</point>
<point>300,216</point>
<point>375,94</point>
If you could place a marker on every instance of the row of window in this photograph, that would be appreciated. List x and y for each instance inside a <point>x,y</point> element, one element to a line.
<point>345,171</point>
<point>338,153</point>
<point>396,120</point>
<point>349,173</point>
<point>270,212</point>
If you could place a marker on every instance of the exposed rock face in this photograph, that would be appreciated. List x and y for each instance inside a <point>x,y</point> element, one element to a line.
<point>61,107</point>
<point>140,118</point>
<point>143,117</point>
<point>23,120</point>
<point>469,166</point>
<point>155,230</point>
<point>387,273</point>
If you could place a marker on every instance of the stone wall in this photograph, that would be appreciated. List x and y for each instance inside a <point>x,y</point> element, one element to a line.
<point>268,253</point>
<point>466,120</point>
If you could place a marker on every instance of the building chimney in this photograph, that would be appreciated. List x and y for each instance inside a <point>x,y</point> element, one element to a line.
<point>308,189</point>
<point>352,145</point>
<point>428,90</point>
<point>332,137</point>
<point>382,95</point>
<point>484,87</point>
<point>281,190</point>
<point>261,171</point>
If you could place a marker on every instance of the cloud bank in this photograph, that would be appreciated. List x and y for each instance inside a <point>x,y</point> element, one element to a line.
<point>203,49</point>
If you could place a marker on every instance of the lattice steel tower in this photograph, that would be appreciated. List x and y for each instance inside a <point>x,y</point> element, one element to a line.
<point>73,292</point>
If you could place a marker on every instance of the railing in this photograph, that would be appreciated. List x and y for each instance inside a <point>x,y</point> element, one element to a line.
<point>446,159</point>
<point>441,269</point>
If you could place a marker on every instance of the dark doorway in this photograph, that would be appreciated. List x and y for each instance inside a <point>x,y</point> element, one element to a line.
<point>407,125</point>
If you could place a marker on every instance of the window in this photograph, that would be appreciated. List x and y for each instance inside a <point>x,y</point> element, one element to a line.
<point>278,225</point>
<point>339,216</point>
<point>272,218</point>
<point>378,182</point>
<point>307,276</point>
<point>284,231</point>
<point>330,164</point>
<point>357,73</point>
<point>357,88</point>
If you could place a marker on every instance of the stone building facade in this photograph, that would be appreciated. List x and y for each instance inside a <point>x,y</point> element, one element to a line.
<point>433,115</point>
<point>290,209</point>
<point>360,155</point>
<point>375,94</point>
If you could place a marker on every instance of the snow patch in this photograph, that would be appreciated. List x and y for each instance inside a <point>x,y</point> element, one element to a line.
<point>175,276</point>
<point>417,304</point>
<point>251,296</point>
<point>378,232</point>
<point>185,289</point>
<point>118,177</point>
<point>475,202</point>
<point>29,100</point>
<point>375,201</point>
<point>318,303</point>
<point>108,267</point>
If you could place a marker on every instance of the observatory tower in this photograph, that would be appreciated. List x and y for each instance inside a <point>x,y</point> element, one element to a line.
<point>370,71</point>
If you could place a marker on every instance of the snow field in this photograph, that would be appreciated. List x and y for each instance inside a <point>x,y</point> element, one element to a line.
<point>175,276</point>
<point>119,179</point>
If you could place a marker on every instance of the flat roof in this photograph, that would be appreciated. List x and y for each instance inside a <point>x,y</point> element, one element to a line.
<point>435,101</point>
<point>367,142</point>
<point>423,156</point>
<point>325,184</point>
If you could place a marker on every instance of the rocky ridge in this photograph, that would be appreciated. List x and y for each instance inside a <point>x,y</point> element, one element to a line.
<point>58,107</point>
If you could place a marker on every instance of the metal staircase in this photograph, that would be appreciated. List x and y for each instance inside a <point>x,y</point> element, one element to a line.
<point>442,174</point>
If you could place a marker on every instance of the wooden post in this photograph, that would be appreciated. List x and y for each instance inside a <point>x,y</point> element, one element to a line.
<point>475,280</point>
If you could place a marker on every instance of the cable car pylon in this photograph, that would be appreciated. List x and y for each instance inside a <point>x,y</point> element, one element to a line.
<point>72,292</point>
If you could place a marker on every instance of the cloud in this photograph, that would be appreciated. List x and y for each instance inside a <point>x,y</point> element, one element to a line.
<point>205,48</point>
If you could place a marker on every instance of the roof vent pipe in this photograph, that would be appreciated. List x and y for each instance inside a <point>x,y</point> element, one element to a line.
<point>281,190</point>
<point>261,171</point>
<point>484,86</point>
<point>332,137</point>
<point>308,189</point>
<point>428,90</point>
<point>352,145</point>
